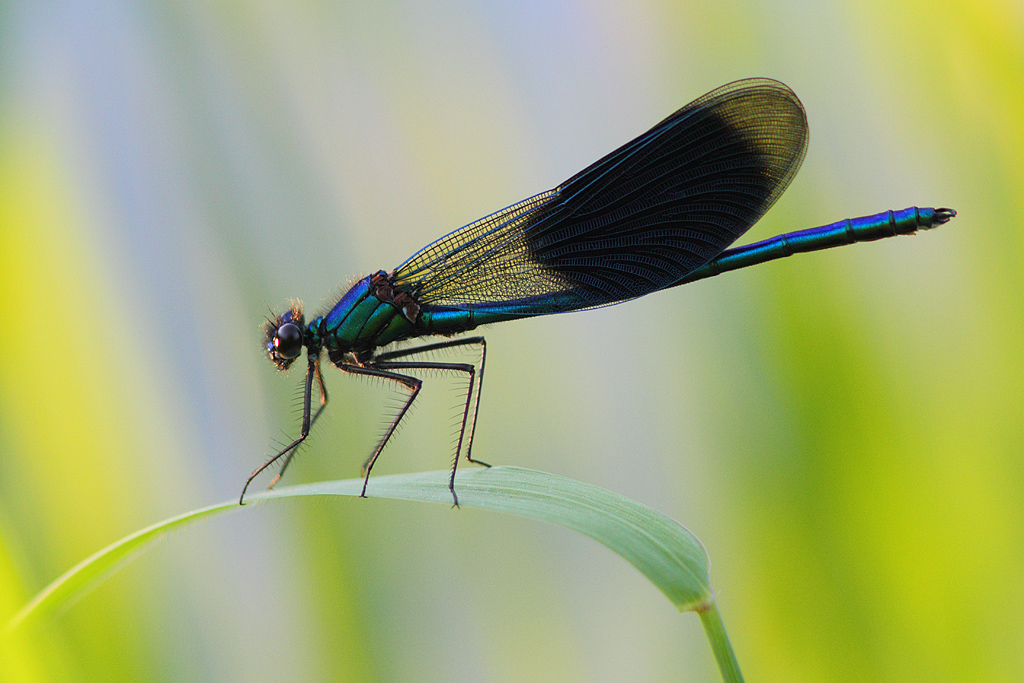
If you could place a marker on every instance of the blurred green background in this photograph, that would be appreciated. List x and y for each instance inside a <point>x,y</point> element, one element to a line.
<point>843,430</point>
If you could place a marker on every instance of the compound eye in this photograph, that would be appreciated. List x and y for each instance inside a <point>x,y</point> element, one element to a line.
<point>288,341</point>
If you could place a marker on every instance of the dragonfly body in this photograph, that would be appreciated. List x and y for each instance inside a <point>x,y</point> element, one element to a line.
<point>658,212</point>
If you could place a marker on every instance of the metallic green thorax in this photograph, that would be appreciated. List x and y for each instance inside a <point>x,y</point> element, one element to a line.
<point>372,315</point>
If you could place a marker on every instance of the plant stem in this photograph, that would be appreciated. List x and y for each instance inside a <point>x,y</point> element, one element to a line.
<point>719,639</point>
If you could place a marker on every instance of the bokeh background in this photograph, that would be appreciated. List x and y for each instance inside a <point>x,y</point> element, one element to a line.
<point>843,430</point>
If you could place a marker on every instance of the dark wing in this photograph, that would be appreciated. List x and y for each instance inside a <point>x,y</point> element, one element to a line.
<point>638,220</point>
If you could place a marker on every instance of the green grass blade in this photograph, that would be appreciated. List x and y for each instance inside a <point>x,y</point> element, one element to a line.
<point>90,572</point>
<point>666,553</point>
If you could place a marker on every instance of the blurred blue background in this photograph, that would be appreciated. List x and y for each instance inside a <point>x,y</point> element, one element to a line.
<point>842,430</point>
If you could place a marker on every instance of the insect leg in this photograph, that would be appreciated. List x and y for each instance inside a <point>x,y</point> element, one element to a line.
<point>323,404</point>
<point>413,384</point>
<point>307,421</point>
<point>467,368</point>
<point>471,399</point>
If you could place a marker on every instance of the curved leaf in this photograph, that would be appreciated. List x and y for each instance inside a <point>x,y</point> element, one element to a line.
<point>664,551</point>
